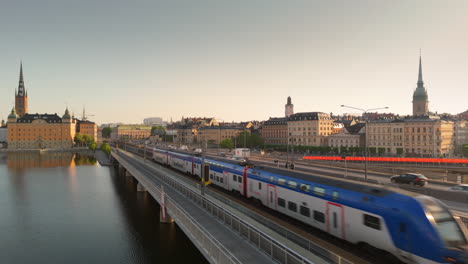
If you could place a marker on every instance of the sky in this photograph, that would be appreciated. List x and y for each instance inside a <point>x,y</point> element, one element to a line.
<point>233,60</point>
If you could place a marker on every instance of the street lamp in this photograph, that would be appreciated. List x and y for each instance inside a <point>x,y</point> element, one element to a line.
<point>365,111</point>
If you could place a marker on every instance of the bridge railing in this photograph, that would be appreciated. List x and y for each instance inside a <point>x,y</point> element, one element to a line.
<point>211,245</point>
<point>273,248</point>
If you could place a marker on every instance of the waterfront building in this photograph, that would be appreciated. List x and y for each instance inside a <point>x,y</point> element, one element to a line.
<point>40,131</point>
<point>275,131</point>
<point>413,136</point>
<point>310,129</point>
<point>351,136</point>
<point>21,96</point>
<point>86,127</point>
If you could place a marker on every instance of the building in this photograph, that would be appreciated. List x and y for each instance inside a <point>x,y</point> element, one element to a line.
<point>352,136</point>
<point>153,121</point>
<point>275,131</point>
<point>460,135</point>
<point>131,132</point>
<point>40,131</point>
<point>288,108</point>
<point>86,127</point>
<point>21,96</point>
<point>420,98</point>
<point>310,129</point>
<point>216,134</point>
<point>415,136</point>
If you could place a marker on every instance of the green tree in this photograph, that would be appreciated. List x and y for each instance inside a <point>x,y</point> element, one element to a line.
<point>250,139</point>
<point>106,132</point>
<point>87,139</point>
<point>372,150</point>
<point>106,148</point>
<point>465,150</point>
<point>399,151</point>
<point>92,146</point>
<point>381,151</point>
<point>78,139</point>
<point>158,130</point>
<point>227,143</point>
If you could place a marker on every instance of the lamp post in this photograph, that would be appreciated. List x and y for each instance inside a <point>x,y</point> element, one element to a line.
<point>364,112</point>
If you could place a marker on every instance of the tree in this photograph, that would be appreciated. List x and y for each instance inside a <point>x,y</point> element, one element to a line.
<point>106,132</point>
<point>381,151</point>
<point>158,130</point>
<point>78,139</point>
<point>465,150</point>
<point>251,140</point>
<point>106,148</point>
<point>227,143</point>
<point>372,150</point>
<point>87,139</point>
<point>93,146</point>
<point>399,151</point>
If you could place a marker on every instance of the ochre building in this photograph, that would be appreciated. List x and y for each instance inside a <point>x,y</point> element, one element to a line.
<point>40,131</point>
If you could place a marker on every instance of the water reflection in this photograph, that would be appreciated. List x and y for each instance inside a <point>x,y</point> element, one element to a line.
<point>25,160</point>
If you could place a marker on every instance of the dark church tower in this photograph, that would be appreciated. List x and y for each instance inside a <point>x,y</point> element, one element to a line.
<point>288,108</point>
<point>420,98</point>
<point>21,96</point>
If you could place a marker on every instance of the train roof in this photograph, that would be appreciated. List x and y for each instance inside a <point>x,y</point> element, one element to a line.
<point>363,187</point>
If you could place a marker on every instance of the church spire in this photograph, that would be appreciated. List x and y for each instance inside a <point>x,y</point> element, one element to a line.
<point>21,89</point>
<point>420,79</point>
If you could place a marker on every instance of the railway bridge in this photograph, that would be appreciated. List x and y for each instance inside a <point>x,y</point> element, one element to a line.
<point>222,233</point>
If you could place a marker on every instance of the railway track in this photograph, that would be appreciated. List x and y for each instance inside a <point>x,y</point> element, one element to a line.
<point>340,247</point>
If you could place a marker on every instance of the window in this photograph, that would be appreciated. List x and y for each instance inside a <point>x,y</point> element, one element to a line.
<point>217,178</point>
<point>305,187</point>
<point>272,179</point>
<point>281,181</point>
<point>281,202</point>
<point>292,184</point>
<point>372,221</point>
<point>239,179</point>
<point>304,211</point>
<point>259,185</point>
<point>319,191</point>
<point>211,176</point>
<point>234,178</point>
<point>221,180</point>
<point>335,195</point>
<point>319,216</point>
<point>292,206</point>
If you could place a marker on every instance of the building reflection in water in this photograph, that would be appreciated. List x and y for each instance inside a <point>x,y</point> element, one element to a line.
<point>24,160</point>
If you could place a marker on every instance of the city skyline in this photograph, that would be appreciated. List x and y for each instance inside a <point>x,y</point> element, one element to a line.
<point>232,61</point>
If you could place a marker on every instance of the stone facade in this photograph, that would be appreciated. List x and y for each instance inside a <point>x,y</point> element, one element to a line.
<point>424,136</point>
<point>87,128</point>
<point>216,134</point>
<point>275,131</point>
<point>132,131</point>
<point>310,129</point>
<point>40,131</point>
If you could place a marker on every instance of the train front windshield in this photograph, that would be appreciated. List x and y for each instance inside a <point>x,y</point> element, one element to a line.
<point>446,225</point>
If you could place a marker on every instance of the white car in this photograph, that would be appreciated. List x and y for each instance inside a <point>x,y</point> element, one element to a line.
<point>460,188</point>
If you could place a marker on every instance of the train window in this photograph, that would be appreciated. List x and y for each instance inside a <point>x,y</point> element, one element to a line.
<point>259,185</point>
<point>292,184</point>
<point>335,195</point>
<point>319,191</point>
<point>217,178</point>
<point>234,177</point>
<point>211,176</point>
<point>292,206</point>
<point>281,181</point>
<point>372,221</point>
<point>305,187</point>
<point>221,180</point>
<point>281,202</point>
<point>304,211</point>
<point>239,179</point>
<point>334,220</point>
<point>272,179</point>
<point>319,216</point>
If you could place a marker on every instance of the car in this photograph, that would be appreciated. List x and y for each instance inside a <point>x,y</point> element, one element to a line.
<point>460,188</point>
<point>410,178</point>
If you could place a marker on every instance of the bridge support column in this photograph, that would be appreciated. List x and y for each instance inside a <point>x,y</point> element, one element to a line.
<point>127,173</point>
<point>122,169</point>
<point>164,217</point>
<point>140,188</point>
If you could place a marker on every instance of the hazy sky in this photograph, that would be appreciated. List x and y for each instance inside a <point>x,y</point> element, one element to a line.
<point>234,60</point>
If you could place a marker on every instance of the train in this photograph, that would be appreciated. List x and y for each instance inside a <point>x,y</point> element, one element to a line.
<point>412,227</point>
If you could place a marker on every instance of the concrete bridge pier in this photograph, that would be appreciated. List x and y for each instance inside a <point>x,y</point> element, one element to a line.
<point>140,188</point>
<point>164,217</point>
<point>122,170</point>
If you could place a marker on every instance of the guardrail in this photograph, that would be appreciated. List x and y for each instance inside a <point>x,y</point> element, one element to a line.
<point>275,249</point>
<point>298,239</point>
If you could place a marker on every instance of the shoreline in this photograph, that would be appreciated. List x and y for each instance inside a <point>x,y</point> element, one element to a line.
<point>46,150</point>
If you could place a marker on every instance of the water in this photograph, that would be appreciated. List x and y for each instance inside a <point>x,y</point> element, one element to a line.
<point>65,208</point>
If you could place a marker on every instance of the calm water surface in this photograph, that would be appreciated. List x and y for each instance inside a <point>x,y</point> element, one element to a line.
<point>65,208</point>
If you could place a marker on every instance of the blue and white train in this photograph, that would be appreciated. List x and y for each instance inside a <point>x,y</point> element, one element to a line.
<point>414,228</point>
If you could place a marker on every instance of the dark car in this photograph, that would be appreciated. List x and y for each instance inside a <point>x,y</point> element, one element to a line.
<point>410,178</point>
